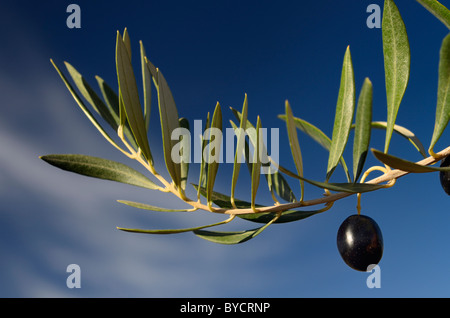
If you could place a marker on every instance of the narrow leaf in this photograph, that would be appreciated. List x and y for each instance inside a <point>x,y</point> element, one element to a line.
<point>404,132</point>
<point>89,94</point>
<point>318,135</point>
<point>100,168</point>
<point>443,96</point>
<point>184,166</point>
<point>405,165</point>
<point>275,180</point>
<point>397,58</point>
<point>256,168</point>
<point>149,207</point>
<point>239,147</point>
<point>346,187</point>
<point>438,10</point>
<point>169,122</point>
<point>286,217</point>
<point>344,114</point>
<point>170,231</point>
<point>295,146</point>
<point>203,166</point>
<point>362,128</point>
<point>215,141</point>
<point>231,237</point>
<point>84,108</point>
<point>146,85</point>
<point>130,97</point>
<point>278,183</point>
<point>112,102</point>
<point>223,201</point>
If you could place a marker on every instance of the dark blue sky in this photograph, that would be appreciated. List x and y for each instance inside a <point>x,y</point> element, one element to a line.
<point>208,52</point>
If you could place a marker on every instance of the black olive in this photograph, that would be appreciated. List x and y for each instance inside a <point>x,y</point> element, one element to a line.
<point>445,176</point>
<point>360,242</point>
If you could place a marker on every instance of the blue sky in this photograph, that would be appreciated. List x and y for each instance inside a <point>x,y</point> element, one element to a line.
<point>209,52</point>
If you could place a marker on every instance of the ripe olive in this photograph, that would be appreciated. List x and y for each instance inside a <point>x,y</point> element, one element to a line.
<point>360,242</point>
<point>445,176</point>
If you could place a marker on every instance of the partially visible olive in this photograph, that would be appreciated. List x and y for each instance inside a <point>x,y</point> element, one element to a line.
<point>360,242</point>
<point>445,176</point>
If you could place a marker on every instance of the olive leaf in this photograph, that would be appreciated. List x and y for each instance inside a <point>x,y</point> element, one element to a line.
<point>130,96</point>
<point>346,187</point>
<point>100,168</point>
<point>184,165</point>
<point>223,201</point>
<point>203,165</point>
<point>294,144</point>
<point>215,140</point>
<point>112,102</point>
<point>231,237</point>
<point>405,165</point>
<point>344,114</point>
<point>275,180</point>
<point>169,122</point>
<point>256,167</point>
<point>146,85</point>
<point>145,206</point>
<point>443,96</point>
<point>170,231</point>
<point>240,134</point>
<point>89,94</point>
<point>318,135</point>
<point>83,107</point>
<point>397,58</point>
<point>404,132</point>
<point>438,10</point>
<point>362,128</point>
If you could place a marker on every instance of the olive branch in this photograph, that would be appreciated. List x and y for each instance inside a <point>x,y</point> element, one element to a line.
<point>128,114</point>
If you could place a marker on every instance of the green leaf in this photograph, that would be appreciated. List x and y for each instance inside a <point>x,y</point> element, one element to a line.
<point>240,134</point>
<point>256,167</point>
<point>149,207</point>
<point>286,217</point>
<point>362,128</point>
<point>169,122</point>
<point>214,152</point>
<point>344,114</point>
<point>228,238</point>
<point>294,144</point>
<point>275,180</point>
<point>112,102</point>
<point>231,237</point>
<point>100,168</point>
<point>89,94</point>
<point>405,165</point>
<point>438,10</point>
<point>146,85</point>
<point>443,96</point>
<point>84,108</point>
<point>170,231</point>
<point>318,135</point>
<point>397,58</point>
<point>404,132</point>
<point>184,166</point>
<point>203,166</point>
<point>339,187</point>
<point>130,97</point>
<point>278,183</point>
<point>223,201</point>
